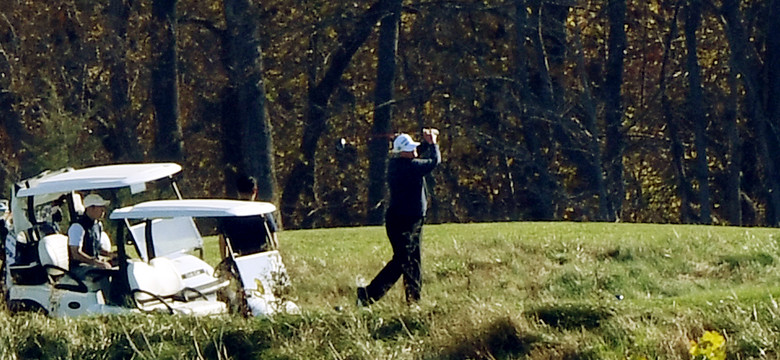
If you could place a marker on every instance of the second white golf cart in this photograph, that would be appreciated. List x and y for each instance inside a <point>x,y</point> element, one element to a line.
<point>35,270</point>
<point>162,230</point>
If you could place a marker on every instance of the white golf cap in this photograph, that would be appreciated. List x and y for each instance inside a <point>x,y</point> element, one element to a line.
<point>95,200</point>
<point>404,142</point>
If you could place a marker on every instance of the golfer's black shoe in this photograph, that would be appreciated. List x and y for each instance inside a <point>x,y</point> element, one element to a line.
<point>362,297</point>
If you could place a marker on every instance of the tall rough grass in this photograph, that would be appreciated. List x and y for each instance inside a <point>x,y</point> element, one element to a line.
<point>491,291</point>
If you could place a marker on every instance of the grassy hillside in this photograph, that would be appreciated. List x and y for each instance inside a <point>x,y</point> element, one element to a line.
<point>502,290</point>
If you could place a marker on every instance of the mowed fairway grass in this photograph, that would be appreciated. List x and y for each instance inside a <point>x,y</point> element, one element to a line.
<point>491,291</point>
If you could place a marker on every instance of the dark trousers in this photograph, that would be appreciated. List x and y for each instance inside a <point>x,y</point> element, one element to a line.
<point>405,234</point>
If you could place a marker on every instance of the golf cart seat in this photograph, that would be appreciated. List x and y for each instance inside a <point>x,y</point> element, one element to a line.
<point>158,286</point>
<point>53,255</point>
<point>174,239</point>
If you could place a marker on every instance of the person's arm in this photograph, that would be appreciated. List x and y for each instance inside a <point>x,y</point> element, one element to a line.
<point>77,254</point>
<point>425,165</point>
<point>429,149</point>
<point>272,229</point>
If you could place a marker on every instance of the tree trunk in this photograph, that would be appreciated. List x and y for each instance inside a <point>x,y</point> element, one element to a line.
<point>68,40</point>
<point>677,150</point>
<point>230,139</point>
<point>383,109</point>
<point>120,138</point>
<point>771,86</point>
<point>246,77</point>
<point>613,80</point>
<point>544,60</point>
<point>696,110</point>
<point>732,206</point>
<point>772,61</point>
<point>165,91</point>
<point>678,161</point>
<point>745,63</point>
<point>302,175</point>
<point>11,122</point>
<point>551,51</point>
<point>594,171</point>
<point>533,128</point>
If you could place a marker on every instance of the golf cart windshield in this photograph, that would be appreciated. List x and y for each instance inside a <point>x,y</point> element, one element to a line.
<point>172,227</point>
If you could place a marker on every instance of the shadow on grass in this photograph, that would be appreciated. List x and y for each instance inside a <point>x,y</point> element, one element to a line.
<point>572,316</point>
<point>617,254</point>
<point>43,346</point>
<point>241,344</point>
<point>736,261</point>
<point>500,339</point>
<point>401,326</point>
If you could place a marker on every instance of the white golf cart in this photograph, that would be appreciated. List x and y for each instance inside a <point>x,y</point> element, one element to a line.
<point>159,228</point>
<point>36,274</point>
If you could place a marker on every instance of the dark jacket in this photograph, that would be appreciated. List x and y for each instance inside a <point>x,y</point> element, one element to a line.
<point>249,234</point>
<point>405,178</point>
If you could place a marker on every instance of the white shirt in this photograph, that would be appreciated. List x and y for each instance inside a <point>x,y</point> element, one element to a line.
<point>76,236</point>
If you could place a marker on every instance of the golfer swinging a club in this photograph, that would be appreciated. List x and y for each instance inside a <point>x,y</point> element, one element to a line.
<point>405,216</point>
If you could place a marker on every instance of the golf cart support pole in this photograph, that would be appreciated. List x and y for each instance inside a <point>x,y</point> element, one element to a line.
<point>4,266</point>
<point>120,291</point>
<point>72,205</point>
<point>175,187</point>
<point>150,253</point>
<point>32,232</point>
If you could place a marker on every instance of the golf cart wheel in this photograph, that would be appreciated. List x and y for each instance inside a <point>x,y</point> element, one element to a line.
<point>19,306</point>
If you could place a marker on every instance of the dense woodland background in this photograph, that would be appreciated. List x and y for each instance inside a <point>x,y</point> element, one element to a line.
<point>629,110</point>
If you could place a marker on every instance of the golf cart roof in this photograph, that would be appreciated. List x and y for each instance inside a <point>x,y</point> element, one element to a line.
<point>193,208</point>
<point>100,177</point>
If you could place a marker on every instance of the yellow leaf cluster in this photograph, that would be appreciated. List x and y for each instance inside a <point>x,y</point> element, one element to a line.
<point>711,346</point>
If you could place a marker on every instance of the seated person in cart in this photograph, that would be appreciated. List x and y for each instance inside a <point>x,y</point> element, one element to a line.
<point>248,234</point>
<point>88,245</point>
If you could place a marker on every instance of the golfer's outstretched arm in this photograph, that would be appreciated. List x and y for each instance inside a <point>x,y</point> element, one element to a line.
<point>432,158</point>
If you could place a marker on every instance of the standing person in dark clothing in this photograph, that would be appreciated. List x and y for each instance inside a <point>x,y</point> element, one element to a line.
<point>405,216</point>
<point>247,233</point>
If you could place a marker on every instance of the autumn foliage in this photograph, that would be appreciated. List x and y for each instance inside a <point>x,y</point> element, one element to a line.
<point>538,119</point>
